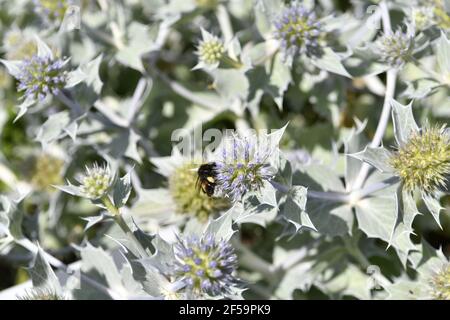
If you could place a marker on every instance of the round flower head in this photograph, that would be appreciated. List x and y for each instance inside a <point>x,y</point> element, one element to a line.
<point>424,161</point>
<point>440,284</point>
<point>206,265</point>
<point>52,10</point>
<point>19,45</point>
<point>394,48</point>
<point>47,172</point>
<point>96,182</point>
<point>243,167</point>
<point>299,31</point>
<point>210,49</point>
<point>41,76</point>
<point>188,199</point>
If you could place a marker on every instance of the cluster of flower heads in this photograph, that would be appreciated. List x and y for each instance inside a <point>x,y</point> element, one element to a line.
<point>424,161</point>
<point>440,284</point>
<point>188,199</point>
<point>299,31</point>
<point>394,48</point>
<point>96,182</point>
<point>206,265</point>
<point>52,10</point>
<point>243,167</point>
<point>41,76</point>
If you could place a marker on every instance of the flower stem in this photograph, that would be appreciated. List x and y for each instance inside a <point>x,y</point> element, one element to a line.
<point>231,62</point>
<point>391,80</point>
<point>118,218</point>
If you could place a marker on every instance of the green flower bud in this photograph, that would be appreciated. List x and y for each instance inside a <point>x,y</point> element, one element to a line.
<point>211,51</point>
<point>96,182</point>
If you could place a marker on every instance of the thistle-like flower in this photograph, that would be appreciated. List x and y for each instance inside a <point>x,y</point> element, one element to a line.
<point>244,167</point>
<point>96,182</point>
<point>210,50</point>
<point>188,199</point>
<point>395,48</point>
<point>440,284</point>
<point>424,161</point>
<point>52,10</point>
<point>299,31</point>
<point>206,265</point>
<point>41,76</point>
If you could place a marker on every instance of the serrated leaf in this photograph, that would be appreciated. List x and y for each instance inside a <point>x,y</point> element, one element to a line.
<point>443,55</point>
<point>404,123</point>
<point>294,208</point>
<point>378,157</point>
<point>42,274</point>
<point>332,62</point>
<point>53,127</point>
<point>122,190</point>
<point>433,206</point>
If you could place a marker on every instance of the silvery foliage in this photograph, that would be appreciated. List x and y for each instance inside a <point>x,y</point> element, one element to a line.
<point>315,203</point>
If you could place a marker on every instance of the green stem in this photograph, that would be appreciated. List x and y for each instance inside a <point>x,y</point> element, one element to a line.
<point>118,218</point>
<point>231,62</point>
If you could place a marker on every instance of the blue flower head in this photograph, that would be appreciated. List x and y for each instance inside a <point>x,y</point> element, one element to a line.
<point>299,31</point>
<point>206,265</point>
<point>243,167</point>
<point>41,76</point>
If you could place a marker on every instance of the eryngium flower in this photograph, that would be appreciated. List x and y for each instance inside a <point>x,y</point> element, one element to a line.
<point>395,48</point>
<point>424,161</point>
<point>190,200</point>
<point>206,265</point>
<point>52,10</point>
<point>242,169</point>
<point>96,182</point>
<point>47,172</point>
<point>41,76</point>
<point>299,31</point>
<point>440,284</point>
<point>211,50</point>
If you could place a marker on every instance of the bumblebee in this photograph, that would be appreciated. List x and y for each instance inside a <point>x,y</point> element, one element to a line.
<point>206,176</point>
